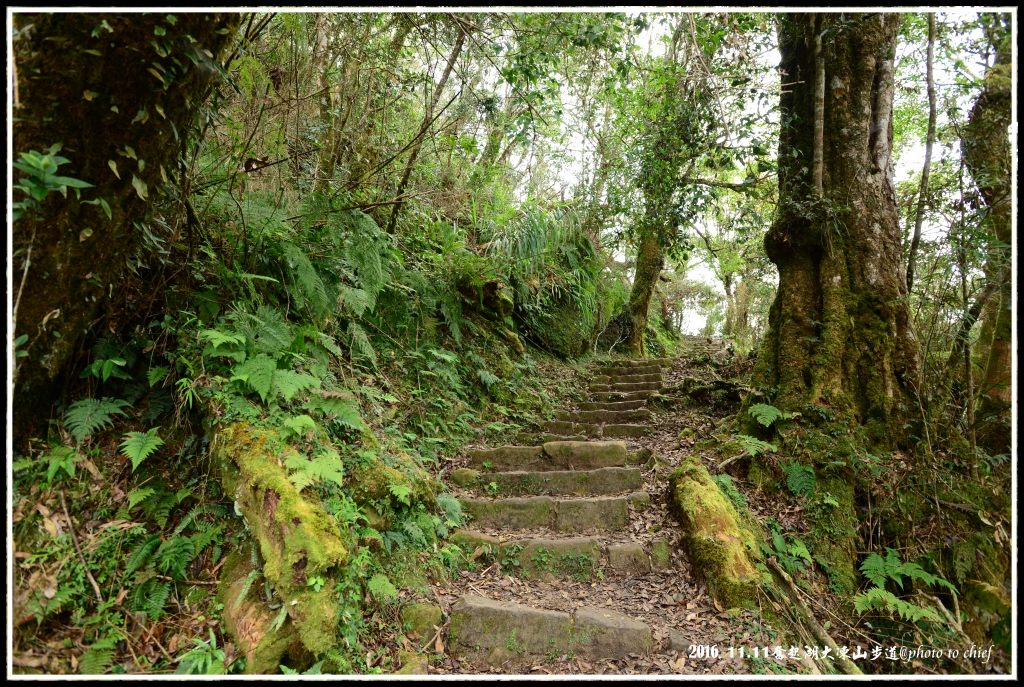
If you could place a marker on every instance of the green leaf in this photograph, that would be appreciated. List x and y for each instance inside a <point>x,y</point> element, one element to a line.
<point>798,549</point>
<point>755,446</point>
<point>140,187</point>
<point>159,31</point>
<point>402,492</point>
<point>764,413</point>
<point>381,588</point>
<point>799,478</point>
<point>138,496</point>
<point>257,373</point>
<point>217,337</point>
<point>289,383</point>
<point>141,554</point>
<point>139,445</point>
<point>113,167</point>
<point>300,425</point>
<point>155,374</point>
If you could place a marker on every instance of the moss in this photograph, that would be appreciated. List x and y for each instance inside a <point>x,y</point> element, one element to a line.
<point>834,530</point>
<point>716,542</point>
<point>297,538</point>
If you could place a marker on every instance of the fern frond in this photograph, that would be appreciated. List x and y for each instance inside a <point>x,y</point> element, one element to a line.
<point>88,415</point>
<point>309,284</point>
<point>155,374</point>
<point>174,555</point>
<point>142,553</point>
<point>755,446</point>
<point>273,333</point>
<point>288,383</point>
<point>765,414</point>
<point>381,588</point>
<point>139,495</point>
<point>799,478</point>
<point>246,586</point>
<point>140,445</point>
<point>257,373</point>
<point>361,343</point>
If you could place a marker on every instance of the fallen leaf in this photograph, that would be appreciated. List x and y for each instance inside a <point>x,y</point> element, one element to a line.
<point>51,527</point>
<point>120,596</point>
<point>691,616</point>
<point>677,665</point>
<point>439,645</point>
<point>43,510</point>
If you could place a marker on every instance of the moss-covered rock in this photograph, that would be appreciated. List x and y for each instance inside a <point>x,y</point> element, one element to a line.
<point>297,538</point>
<point>720,548</point>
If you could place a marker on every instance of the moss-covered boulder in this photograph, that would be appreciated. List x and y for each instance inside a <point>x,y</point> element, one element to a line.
<point>297,539</point>
<point>720,548</point>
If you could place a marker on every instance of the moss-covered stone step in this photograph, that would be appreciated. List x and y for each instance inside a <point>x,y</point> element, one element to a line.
<point>641,362</point>
<point>553,455</point>
<point>482,623</point>
<point>604,416</point>
<point>631,386</point>
<point>626,378</point>
<point>609,396</point>
<point>613,405</point>
<point>602,481</point>
<point>597,514</point>
<point>624,431</point>
<point>540,438</point>
<point>563,427</point>
<point>620,370</point>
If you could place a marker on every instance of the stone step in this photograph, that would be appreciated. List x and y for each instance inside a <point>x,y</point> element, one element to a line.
<point>597,514</point>
<point>608,396</point>
<point>604,416</point>
<point>618,405</point>
<point>619,370</point>
<point>602,432</point>
<point>559,482</point>
<point>539,438</point>
<point>638,386</point>
<point>642,362</point>
<point>501,627</point>
<point>564,557</point>
<point>553,455</point>
<point>626,379</point>
<point>623,431</point>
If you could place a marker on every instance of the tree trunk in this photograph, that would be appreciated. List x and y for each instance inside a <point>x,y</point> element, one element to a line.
<point>929,142</point>
<point>139,106</point>
<point>987,151</point>
<point>649,263</point>
<point>840,331</point>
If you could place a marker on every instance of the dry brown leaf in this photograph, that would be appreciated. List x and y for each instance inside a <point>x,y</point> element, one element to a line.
<point>677,665</point>
<point>120,596</point>
<point>439,645</point>
<point>691,616</point>
<point>51,527</point>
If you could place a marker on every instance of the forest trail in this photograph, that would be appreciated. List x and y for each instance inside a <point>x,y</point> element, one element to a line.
<point>582,572</point>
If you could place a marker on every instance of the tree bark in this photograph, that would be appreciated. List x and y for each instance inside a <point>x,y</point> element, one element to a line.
<point>987,152</point>
<point>96,84</point>
<point>840,331</point>
<point>929,142</point>
<point>650,261</point>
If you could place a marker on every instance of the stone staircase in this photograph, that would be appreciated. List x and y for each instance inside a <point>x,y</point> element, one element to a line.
<point>562,507</point>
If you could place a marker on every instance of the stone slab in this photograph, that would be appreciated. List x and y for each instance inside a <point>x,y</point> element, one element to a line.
<point>620,431</point>
<point>600,514</point>
<point>559,556</point>
<point>478,621</point>
<point>523,513</point>
<point>604,633</point>
<point>505,458</point>
<point>585,455</point>
<point>606,396</point>
<point>613,480</point>
<point>628,558</point>
<point>605,416</point>
<point>615,405</point>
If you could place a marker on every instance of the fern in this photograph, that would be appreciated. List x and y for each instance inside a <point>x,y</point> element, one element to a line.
<point>344,411</point>
<point>139,495</point>
<point>88,415</point>
<point>765,414</point>
<point>202,539</point>
<point>288,383</point>
<point>95,661</point>
<point>282,615</point>
<point>246,586</point>
<point>257,373</point>
<point>174,555</point>
<point>486,378</point>
<point>799,478</point>
<point>204,509</point>
<point>414,531</point>
<point>140,445</point>
<point>150,597</point>
<point>308,282</point>
<point>273,333</point>
<point>142,553</point>
<point>218,338</point>
<point>358,300</point>
<point>299,426</point>
<point>326,466</point>
<point>155,374</point>
<point>755,446</point>
<point>361,343</point>
<point>381,588</point>
<point>451,508</point>
<point>400,491</point>
<point>877,599</point>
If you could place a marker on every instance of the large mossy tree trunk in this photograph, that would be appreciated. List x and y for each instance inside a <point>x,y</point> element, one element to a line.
<point>988,156</point>
<point>650,261</point>
<point>113,89</point>
<point>840,331</point>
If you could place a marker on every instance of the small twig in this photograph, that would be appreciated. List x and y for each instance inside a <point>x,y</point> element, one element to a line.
<point>727,461</point>
<point>155,640</point>
<point>74,539</point>
<point>212,583</point>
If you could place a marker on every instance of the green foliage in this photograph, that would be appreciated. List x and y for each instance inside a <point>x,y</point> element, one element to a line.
<point>881,570</point>
<point>724,483</point>
<point>88,415</point>
<point>755,446</point>
<point>765,414</point>
<point>799,478</point>
<point>142,553</point>
<point>42,179</point>
<point>138,446</point>
<point>61,458</point>
<point>381,588</point>
<point>205,659</point>
<point>326,465</point>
